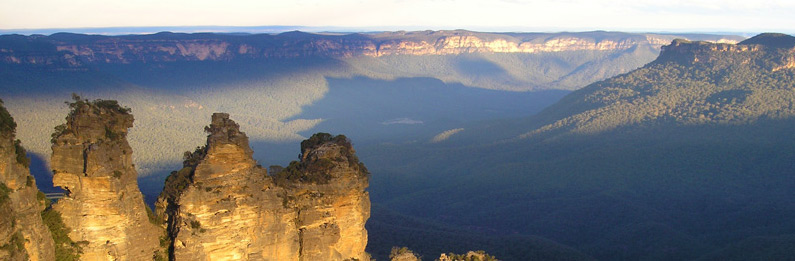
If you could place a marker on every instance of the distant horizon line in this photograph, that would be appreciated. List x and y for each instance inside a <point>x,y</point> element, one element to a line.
<point>276,29</point>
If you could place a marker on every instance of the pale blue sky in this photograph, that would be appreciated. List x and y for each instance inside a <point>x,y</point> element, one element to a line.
<point>484,15</point>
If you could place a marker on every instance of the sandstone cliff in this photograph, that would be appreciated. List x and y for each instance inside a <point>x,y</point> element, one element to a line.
<point>23,235</point>
<point>74,51</point>
<point>103,206</point>
<point>222,205</point>
<point>769,51</point>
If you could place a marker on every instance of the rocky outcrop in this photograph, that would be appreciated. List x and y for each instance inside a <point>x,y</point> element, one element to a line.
<point>103,206</point>
<point>23,235</point>
<point>222,205</point>
<point>771,52</point>
<point>74,51</point>
<point>327,189</point>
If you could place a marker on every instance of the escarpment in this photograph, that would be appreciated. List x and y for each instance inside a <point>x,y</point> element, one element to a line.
<point>23,234</point>
<point>75,51</point>
<point>222,205</point>
<point>103,205</point>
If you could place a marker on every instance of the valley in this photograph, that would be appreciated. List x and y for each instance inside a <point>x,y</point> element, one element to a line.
<point>564,146</point>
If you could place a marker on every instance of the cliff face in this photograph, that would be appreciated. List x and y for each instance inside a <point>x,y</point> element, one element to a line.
<point>103,206</point>
<point>222,205</point>
<point>75,51</point>
<point>770,52</point>
<point>23,235</point>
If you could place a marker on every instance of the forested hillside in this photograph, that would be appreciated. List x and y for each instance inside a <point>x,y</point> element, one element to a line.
<point>688,157</point>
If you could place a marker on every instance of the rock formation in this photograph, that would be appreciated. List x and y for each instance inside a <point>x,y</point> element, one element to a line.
<point>103,206</point>
<point>23,235</point>
<point>327,189</point>
<point>222,205</point>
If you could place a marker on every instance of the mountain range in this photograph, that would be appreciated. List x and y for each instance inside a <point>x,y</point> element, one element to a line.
<point>673,149</point>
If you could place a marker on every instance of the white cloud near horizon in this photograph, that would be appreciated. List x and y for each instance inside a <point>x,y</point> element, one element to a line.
<point>631,15</point>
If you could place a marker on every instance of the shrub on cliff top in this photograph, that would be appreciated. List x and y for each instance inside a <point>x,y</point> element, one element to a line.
<point>321,137</point>
<point>96,106</point>
<point>110,105</point>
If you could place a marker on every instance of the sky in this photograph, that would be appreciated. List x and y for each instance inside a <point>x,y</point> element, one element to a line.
<point>482,15</point>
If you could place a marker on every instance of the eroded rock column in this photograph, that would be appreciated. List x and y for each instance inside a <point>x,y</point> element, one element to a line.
<point>103,206</point>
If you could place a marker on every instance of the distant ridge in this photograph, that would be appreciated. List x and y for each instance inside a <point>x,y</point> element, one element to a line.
<point>775,40</point>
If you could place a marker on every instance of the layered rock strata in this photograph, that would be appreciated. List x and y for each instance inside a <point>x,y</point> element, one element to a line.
<point>23,235</point>
<point>103,205</point>
<point>70,51</point>
<point>222,205</point>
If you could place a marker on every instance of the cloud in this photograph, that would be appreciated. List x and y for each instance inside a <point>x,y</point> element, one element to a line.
<point>402,121</point>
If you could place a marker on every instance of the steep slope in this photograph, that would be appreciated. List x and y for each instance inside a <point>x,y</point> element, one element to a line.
<point>689,155</point>
<point>222,205</point>
<point>92,161</point>
<point>690,83</point>
<point>23,235</point>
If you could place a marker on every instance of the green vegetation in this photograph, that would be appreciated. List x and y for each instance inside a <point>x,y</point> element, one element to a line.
<point>774,40</point>
<point>22,157</point>
<point>4,193</point>
<point>97,107</point>
<point>65,248</point>
<point>297,172</point>
<point>192,159</point>
<point>42,198</point>
<point>7,123</point>
<point>195,224</point>
<point>479,255</point>
<point>401,251</point>
<point>16,247</point>
<point>110,134</point>
<point>154,219</point>
<point>317,171</point>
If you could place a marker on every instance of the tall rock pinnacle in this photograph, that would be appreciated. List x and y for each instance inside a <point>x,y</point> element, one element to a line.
<point>222,205</point>
<point>103,206</point>
<point>327,188</point>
